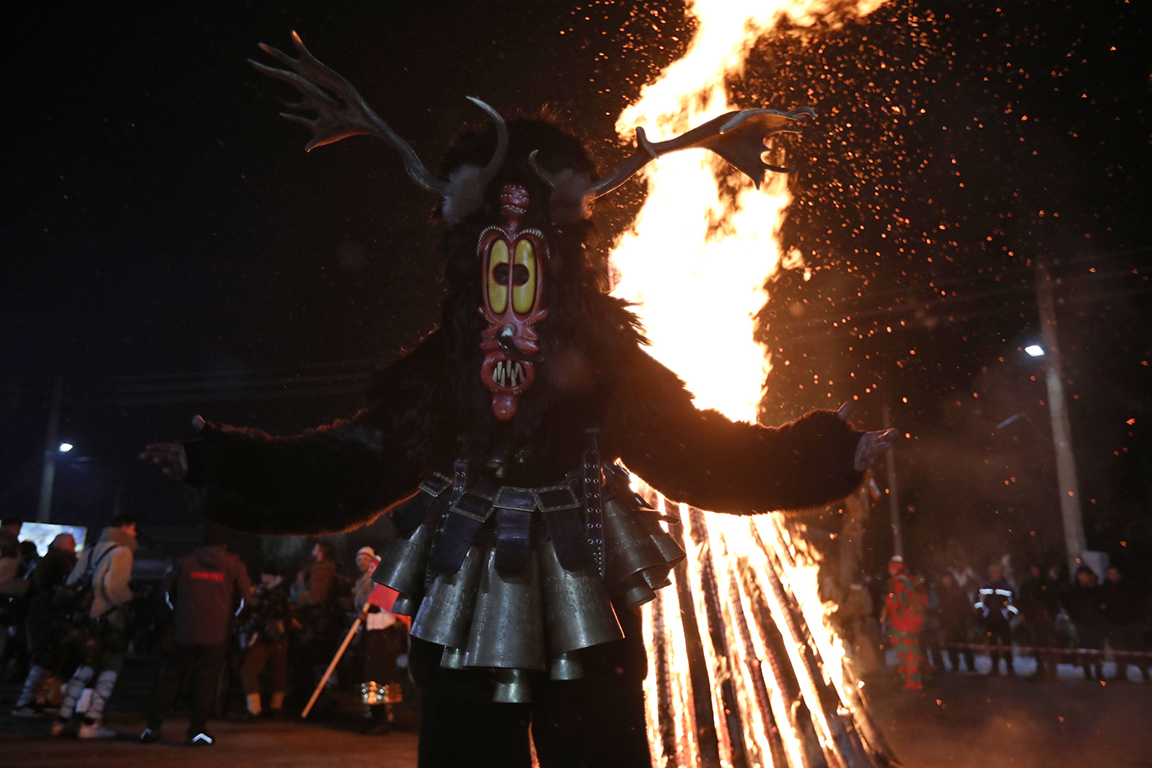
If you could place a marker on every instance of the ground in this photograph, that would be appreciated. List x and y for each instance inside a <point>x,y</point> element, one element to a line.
<point>971,721</point>
<point>959,721</point>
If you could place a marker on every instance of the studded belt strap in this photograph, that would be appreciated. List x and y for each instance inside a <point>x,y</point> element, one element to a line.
<point>468,510</point>
<point>593,501</point>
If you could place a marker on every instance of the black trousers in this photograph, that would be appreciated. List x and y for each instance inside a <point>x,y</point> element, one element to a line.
<point>998,632</point>
<point>183,659</point>
<point>595,722</point>
<point>958,634</point>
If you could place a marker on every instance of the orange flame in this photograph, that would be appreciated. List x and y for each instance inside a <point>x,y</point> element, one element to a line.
<point>689,248</point>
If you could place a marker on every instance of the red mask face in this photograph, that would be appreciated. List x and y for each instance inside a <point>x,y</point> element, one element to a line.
<point>513,287</point>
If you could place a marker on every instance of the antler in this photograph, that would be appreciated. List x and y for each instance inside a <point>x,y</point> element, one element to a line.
<point>342,112</point>
<point>739,137</point>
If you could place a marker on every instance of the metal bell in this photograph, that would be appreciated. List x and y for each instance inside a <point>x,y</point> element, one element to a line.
<point>405,605</point>
<point>507,629</point>
<point>446,610</point>
<point>567,666</point>
<point>628,547</point>
<point>405,561</point>
<point>577,608</point>
<point>657,578</point>
<point>512,687</point>
<point>452,658</point>
<point>666,544</point>
<point>635,591</point>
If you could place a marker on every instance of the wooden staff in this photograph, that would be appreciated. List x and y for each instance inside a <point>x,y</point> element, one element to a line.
<point>336,659</point>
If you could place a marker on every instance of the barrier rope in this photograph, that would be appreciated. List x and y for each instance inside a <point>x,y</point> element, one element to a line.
<point>1047,651</point>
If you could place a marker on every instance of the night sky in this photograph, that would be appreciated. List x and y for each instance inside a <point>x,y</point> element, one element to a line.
<point>169,249</point>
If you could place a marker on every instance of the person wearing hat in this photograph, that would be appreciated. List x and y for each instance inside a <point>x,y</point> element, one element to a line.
<point>904,609</point>
<point>382,640</point>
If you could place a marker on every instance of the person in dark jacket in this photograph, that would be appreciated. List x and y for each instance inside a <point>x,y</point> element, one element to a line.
<point>266,632</point>
<point>955,618</point>
<point>1039,606</point>
<point>43,625</point>
<point>995,608</point>
<point>1124,614</point>
<point>1085,604</point>
<point>205,589</point>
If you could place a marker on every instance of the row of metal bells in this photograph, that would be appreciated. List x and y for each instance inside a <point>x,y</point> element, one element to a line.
<point>507,630</point>
<point>630,552</point>
<point>403,565</point>
<point>445,613</point>
<point>577,608</point>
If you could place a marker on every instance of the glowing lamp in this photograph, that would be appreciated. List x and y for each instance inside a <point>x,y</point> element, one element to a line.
<point>65,447</point>
<point>1034,350</point>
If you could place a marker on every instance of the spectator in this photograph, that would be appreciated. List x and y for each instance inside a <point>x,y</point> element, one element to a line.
<point>995,608</point>
<point>13,610</point>
<point>1085,604</point>
<point>205,589</point>
<point>315,582</point>
<point>931,636</point>
<point>1124,620</point>
<point>316,594</point>
<point>104,570</point>
<point>43,624</point>
<point>382,639</point>
<point>955,618</point>
<point>1039,607</point>
<point>11,585</point>
<point>905,610</point>
<point>266,638</point>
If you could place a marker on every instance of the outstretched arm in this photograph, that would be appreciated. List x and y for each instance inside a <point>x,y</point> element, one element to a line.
<point>706,460</point>
<point>324,480</point>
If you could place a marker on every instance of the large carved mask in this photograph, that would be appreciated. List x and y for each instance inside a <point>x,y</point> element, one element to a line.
<point>512,277</point>
<point>512,257</point>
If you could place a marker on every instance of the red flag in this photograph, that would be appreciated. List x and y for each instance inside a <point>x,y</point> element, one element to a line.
<point>384,598</point>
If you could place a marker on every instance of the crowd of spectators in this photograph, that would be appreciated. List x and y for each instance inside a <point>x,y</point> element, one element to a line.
<point>1044,614</point>
<point>68,622</point>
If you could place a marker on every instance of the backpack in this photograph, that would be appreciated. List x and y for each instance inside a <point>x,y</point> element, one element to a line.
<point>75,601</point>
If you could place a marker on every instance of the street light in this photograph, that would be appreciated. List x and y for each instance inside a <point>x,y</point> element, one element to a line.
<point>65,447</point>
<point>1034,350</point>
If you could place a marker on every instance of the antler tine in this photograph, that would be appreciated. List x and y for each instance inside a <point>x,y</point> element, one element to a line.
<point>498,157</point>
<point>546,177</point>
<point>345,115</point>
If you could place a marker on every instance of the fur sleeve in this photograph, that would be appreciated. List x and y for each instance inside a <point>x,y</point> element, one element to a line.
<point>325,480</point>
<point>704,459</point>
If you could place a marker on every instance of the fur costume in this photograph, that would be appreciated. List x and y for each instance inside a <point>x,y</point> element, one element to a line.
<point>497,443</point>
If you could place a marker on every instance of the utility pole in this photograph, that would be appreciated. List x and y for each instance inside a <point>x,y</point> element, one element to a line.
<point>51,448</point>
<point>1069,484</point>
<point>893,493</point>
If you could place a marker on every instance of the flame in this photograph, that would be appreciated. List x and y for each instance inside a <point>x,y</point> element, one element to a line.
<point>696,264</point>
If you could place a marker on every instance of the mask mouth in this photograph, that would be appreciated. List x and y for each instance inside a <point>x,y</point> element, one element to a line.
<point>506,379</point>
